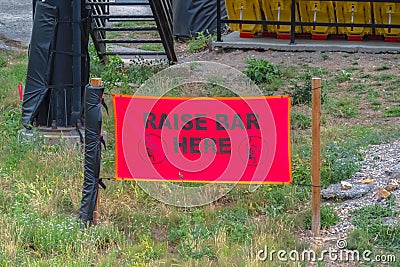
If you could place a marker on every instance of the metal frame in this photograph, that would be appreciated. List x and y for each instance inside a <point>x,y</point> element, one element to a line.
<point>161,14</point>
<point>293,23</point>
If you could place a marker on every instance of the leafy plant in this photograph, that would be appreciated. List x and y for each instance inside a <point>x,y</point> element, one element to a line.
<point>341,161</point>
<point>370,219</point>
<point>111,73</point>
<point>190,236</point>
<point>3,60</point>
<point>300,121</point>
<point>301,92</point>
<point>201,42</point>
<point>116,74</point>
<point>324,56</point>
<point>152,47</point>
<point>260,70</point>
<point>141,70</point>
<point>383,77</point>
<point>344,107</point>
<point>233,222</point>
<point>328,217</point>
<point>392,112</point>
<point>381,68</point>
<point>344,76</point>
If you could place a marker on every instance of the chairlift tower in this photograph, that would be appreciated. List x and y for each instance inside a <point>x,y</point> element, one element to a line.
<point>58,66</point>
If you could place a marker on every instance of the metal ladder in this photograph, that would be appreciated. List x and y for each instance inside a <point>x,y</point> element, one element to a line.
<point>101,24</point>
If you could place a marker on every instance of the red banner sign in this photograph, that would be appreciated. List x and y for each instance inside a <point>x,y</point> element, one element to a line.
<point>225,140</point>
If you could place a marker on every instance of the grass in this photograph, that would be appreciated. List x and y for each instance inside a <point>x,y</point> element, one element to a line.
<point>373,233</point>
<point>152,47</point>
<point>382,68</point>
<point>41,187</point>
<point>345,107</point>
<point>201,42</point>
<point>392,112</point>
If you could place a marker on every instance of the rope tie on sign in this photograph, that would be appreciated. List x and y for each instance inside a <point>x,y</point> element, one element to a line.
<point>306,185</point>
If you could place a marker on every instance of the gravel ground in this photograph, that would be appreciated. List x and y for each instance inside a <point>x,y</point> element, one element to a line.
<point>382,164</point>
<point>15,24</point>
<point>16,21</point>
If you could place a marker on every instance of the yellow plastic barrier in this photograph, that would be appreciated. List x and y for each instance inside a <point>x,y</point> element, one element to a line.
<point>388,13</point>
<point>318,11</point>
<point>353,12</point>
<point>244,10</point>
<point>279,10</point>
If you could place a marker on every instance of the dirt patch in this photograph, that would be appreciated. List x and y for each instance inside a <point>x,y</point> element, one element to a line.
<point>11,43</point>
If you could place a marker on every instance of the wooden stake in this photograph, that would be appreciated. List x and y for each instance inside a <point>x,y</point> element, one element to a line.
<point>316,157</point>
<point>96,81</point>
<point>96,212</point>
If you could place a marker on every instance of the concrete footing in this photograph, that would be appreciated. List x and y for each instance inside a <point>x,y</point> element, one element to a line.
<point>69,137</point>
<point>233,40</point>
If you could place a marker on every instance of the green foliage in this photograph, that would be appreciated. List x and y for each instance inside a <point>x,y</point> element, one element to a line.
<point>341,159</point>
<point>324,56</point>
<point>201,42</point>
<point>381,68</point>
<point>152,47</point>
<point>302,91</point>
<point>300,121</point>
<point>141,70</point>
<point>194,235</point>
<point>3,60</point>
<point>301,165</point>
<point>261,71</point>
<point>344,76</point>
<point>301,88</point>
<point>392,112</point>
<point>113,73</point>
<point>278,200</point>
<point>383,77</point>
<point>190,236</point>
<point>360,88</point>
<point>37,205</point>
<point>360,240</point>
<point>60,234</point>
<point>233,222</point>
<point>372,214</point>
<point>376,104</point>
<point>345,107</point>
<point>116,74</point>
<point>370,219</point>
<point>328,217</point>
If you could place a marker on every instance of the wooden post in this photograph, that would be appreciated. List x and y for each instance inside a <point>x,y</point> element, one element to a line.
<point>316,151</point>
<point>96,81</point>
<point>96,212</point>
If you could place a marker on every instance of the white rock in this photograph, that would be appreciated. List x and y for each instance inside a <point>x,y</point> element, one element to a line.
<point>346,185</point>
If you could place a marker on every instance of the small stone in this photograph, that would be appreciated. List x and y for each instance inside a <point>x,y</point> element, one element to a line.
<point>391,187</point>
<point>382,194</point>
<point>133,85</point>
<point>346,185</point>
<point>367,181</point>
<point>334,191</point>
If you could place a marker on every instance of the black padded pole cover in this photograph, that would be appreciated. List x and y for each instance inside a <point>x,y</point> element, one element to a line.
<point>39,63</point>
<point>93,121</point>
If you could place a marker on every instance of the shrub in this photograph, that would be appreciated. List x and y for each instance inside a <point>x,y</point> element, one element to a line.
<point>260,70</point>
